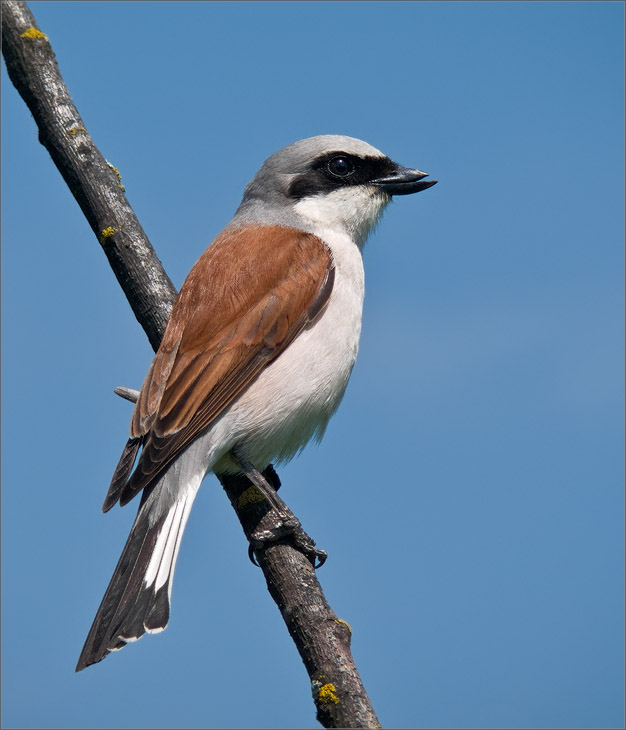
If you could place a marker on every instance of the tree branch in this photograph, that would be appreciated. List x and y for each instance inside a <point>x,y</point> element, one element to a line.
<point>95,184</point>
<point>322,639</point>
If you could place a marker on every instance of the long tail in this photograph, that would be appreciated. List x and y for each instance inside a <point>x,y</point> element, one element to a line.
<point>138,597</point>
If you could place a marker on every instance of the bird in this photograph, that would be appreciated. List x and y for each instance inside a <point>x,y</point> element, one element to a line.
<point>255,359</point>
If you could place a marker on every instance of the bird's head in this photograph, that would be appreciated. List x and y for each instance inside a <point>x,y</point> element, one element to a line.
<point>328,182</point>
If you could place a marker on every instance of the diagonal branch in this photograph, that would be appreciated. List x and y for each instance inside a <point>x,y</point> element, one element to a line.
<point>321,638</point>
<point>95,184</point>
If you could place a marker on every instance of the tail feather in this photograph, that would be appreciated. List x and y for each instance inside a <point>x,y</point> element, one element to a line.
<point>122,472</point>
<point>137,599</point>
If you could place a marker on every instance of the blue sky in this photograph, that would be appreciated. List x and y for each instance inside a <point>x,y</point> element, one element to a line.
<point>470,489</point>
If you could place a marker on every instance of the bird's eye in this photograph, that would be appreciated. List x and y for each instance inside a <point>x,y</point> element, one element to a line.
<point>340,166</point>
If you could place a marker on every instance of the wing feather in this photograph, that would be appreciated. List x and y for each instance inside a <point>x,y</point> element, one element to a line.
<point>248,296</point>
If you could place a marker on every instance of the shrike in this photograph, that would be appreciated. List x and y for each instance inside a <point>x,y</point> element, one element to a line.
<point>255,359</point>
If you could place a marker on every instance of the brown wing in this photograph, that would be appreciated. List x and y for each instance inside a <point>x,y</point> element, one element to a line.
<point>248,296</point>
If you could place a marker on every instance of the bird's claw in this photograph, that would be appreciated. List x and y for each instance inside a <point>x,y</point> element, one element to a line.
<point>288,529</point>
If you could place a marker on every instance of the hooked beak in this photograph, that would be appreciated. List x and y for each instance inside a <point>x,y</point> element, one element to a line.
<point>403,181</point>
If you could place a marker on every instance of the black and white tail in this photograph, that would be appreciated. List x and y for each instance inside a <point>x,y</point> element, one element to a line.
<point>138,597</point>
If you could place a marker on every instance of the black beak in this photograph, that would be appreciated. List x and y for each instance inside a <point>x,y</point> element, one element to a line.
<point>404,181</point>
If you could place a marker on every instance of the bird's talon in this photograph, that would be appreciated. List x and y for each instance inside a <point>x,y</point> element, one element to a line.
<point>252,555</point>
<point>306,545</point>
<point>301,541</point>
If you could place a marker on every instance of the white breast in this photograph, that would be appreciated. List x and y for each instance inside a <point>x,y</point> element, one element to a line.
<point>293,399</point>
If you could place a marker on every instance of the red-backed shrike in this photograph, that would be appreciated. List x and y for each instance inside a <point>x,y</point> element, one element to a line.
<point>255,359</point>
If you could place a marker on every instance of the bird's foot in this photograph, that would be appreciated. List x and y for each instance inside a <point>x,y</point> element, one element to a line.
<point>288,529</point>
<point>286,526</point>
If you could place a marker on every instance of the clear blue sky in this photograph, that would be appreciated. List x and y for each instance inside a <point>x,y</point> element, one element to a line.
<point>470,488</point>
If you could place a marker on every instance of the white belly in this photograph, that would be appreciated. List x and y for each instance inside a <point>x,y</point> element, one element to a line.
<point>293,399</point>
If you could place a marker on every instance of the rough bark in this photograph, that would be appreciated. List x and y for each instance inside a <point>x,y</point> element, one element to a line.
<point>95,184</point>
<point>322,639</point>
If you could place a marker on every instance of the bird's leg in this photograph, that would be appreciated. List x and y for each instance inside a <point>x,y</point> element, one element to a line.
<point>266,489</point>
<point>289,525</point>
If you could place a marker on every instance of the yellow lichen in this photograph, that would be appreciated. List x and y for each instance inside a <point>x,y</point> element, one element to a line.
<point>327,694</point>
<point>76,130</point>
<point>117,172</point>
<point>252,495</point>
<point>34,33</point>
<point>345,623</point>
<point>107,233</point>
